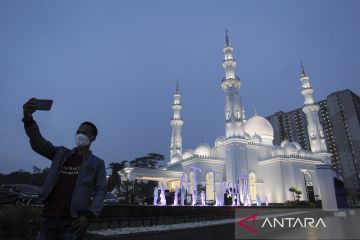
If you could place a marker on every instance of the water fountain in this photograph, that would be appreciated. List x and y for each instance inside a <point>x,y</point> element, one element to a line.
<point>194,197</point>
<point>183,186</point>
<point>194,192</point>
<point>245,200</point>
<point>249,200</point>
<point>203,198</point>
<point>238,195</point>
<point>266,201</point>
<point>176,199</point>
<point>258,202</point>
<point>239,192</point>
<point>182,196</point>
<point>162,196</point>
<point>156,195</point>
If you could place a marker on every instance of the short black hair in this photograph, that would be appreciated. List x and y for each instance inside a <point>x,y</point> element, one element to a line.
<point>93,127</point>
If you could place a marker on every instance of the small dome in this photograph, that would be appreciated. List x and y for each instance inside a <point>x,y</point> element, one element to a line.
<point>290,148</point>
<point>203,150</point>
<point>277,150</point>
<point>298,147</point>
<point>260,126</point>
<point>219,140</point>
<point>188,154</point>
<point>282,144</point>
<point>175,158</point>
<point>256,138</point>
<point>247,136</point>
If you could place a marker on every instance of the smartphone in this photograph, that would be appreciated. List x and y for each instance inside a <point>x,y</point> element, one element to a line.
<point>43,104</point>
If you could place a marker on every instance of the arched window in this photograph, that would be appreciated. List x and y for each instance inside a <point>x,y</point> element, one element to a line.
<point>308,179</point>
<point>252,186</point>
<point>227,115</point>
<point>210,186</point>
<point>312,135</point>
<point>237,114</point>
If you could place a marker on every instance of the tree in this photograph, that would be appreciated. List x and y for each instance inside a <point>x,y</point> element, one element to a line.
<point>292,189</point>
<point>114,179</point>
<point>138,189</point>
<point>152,160</point>
<point>127,191</point>
<point>298,193</point>
<point>36,170</point>
<point>36,177</point>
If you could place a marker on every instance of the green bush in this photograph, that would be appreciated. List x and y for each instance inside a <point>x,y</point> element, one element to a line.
<point>19,222</point>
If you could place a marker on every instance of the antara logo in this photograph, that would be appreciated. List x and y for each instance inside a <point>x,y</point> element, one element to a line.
<point>242,223</point>
<point>288,222</point>
<point>294,222</point>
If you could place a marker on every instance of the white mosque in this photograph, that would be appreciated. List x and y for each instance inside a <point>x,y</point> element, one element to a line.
<point>245,155</point>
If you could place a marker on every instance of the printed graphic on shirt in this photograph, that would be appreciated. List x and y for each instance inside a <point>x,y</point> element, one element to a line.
<point>70,170</point>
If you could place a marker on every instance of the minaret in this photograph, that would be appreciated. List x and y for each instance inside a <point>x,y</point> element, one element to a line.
<point>176,123</point>
<point>231,85</point>
<point>314,128</point>
<point>243,118</point>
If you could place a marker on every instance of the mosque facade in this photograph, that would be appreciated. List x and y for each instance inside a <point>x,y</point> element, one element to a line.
<point>245,155</point>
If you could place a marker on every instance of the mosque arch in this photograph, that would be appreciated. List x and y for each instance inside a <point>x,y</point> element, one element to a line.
<point>307,176</point>
<point>309,186</point>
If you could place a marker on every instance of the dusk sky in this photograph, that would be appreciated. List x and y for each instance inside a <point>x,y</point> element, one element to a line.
<point>115,63</point>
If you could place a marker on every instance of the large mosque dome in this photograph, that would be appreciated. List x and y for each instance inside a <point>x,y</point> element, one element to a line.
<point>258,125</point>
<point>203,150</point>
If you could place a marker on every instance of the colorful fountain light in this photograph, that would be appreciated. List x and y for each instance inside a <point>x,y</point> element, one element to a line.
<point>266,201</point>
<point>258,202</point>
<point>239,192</point>
<point>162,196</point>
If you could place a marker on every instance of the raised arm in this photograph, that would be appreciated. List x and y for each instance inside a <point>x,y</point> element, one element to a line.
<point>37,142</point>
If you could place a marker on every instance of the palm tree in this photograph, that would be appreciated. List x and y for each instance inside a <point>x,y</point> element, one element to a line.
<point>298,193</point>
<point>292,189</point>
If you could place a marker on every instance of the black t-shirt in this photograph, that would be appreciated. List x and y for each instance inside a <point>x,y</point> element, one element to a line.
<point>58,202</point>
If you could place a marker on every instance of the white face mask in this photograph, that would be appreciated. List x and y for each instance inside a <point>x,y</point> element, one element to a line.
<point>81,140</point>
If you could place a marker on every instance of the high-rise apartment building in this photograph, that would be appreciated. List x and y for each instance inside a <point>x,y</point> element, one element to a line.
<point>339,115</point>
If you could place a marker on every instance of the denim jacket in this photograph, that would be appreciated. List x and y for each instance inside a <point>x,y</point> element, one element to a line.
<point>90,188</point>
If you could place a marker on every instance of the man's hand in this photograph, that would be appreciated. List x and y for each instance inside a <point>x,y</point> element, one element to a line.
<point>80,225</point>
<point>29,108</point>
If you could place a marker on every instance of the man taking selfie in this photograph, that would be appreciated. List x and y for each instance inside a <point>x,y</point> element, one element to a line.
<point>75,187</point>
